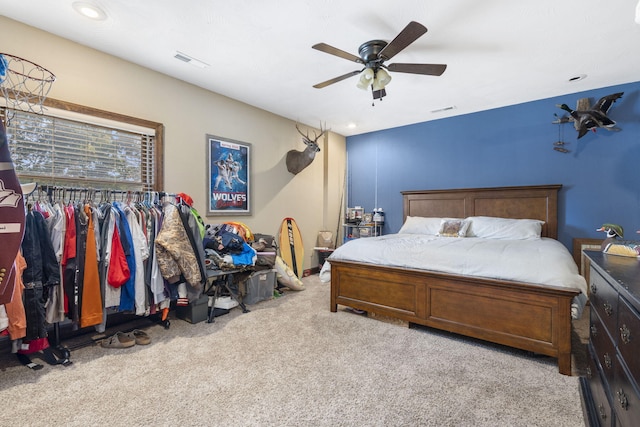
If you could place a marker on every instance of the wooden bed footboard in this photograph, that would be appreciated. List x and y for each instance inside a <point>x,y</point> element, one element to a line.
<point>530,317</point>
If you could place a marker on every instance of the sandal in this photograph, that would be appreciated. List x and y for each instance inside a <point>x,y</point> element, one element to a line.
<point>139,337</point>
<point>118,340</point>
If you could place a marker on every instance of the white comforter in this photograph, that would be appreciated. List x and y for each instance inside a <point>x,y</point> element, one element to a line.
<point>541,261</point>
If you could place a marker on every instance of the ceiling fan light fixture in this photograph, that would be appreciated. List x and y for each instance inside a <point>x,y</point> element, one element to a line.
<point>373,54</point>
<point>381,80</point>
<point>365,78</point>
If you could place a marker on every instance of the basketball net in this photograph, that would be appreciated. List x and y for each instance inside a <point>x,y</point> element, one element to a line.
<point>24,85</point>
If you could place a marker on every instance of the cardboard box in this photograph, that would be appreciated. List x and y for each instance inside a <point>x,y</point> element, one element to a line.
<point>259,286</point>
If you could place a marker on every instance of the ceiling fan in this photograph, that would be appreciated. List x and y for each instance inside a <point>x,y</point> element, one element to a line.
<point>374,53</point>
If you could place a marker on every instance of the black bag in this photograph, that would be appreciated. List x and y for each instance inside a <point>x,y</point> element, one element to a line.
<point>268,240</point>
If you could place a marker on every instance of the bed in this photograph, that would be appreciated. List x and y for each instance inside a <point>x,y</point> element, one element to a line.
<point>522,314</point>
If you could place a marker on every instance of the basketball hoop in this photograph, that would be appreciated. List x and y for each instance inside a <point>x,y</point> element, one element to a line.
<point>24,85</point>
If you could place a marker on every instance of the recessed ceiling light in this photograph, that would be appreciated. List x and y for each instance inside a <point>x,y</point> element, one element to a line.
<point>578,78</point>
<point>89,10</point>
<point>351,126</point>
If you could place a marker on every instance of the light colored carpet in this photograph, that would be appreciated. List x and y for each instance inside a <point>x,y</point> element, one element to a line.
<point>291,362</point>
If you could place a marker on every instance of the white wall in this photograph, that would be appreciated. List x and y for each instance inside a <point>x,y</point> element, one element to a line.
<point>87,77</point>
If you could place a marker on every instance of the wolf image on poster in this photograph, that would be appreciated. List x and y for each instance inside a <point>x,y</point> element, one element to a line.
<point>228,177</point>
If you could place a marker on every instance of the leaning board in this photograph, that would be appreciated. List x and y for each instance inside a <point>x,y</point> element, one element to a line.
<point>291,247</point>
<point>12,219</point>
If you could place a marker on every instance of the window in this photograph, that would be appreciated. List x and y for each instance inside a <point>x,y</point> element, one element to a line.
<point>82,147</point>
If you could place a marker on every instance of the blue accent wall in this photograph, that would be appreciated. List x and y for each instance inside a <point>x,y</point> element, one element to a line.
<point>507,147</point>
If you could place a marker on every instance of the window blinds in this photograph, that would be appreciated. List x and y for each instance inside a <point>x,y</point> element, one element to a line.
<point>59,151</point>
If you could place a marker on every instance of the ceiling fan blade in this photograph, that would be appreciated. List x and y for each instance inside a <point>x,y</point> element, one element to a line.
<point>336,79</point>
<point>323,47</point>
<point>408,35</point>
<point>429,69</point>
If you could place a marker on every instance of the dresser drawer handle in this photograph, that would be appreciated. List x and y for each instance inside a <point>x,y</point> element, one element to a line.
<point>603,413</point>
<point>594,288</point>
<point>608,308</point>
<point>622,399</point>
<point>607,360</point>
<point>625,334</point>
<point>589,373</point>
<point>594,331</point>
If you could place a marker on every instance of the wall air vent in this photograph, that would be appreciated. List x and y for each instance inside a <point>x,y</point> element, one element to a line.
<point>190,60</point>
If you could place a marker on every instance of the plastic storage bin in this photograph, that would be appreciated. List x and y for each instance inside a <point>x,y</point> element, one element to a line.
<point>259,286</point>
<point>195,312</point>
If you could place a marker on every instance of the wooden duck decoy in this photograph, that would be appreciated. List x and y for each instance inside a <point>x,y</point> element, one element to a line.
<point>587,118</point>
<point>612,246</point>
<point>613,232</point>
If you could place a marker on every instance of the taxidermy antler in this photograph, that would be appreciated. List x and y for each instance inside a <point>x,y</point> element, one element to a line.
<point>298,160</point>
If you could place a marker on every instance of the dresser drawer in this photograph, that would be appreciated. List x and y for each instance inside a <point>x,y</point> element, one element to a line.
<point>629,337</point>
<point>602,346</point>
<point>598,394</point>
<point>624,398</point>
<point>604,299</point>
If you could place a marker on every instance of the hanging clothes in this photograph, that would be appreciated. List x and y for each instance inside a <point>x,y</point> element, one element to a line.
<point>92,260</point>
<point>175,254</point>
<point>16,315</point>
<point>56,224</point>
<point>118,272</point>
<point>194,228</point>
<point>69,266</point>
<point>127,294</point>
<point>155,280</point>
<point>91,305</point>
<point>41,271</point>
<point>82,228</point>
<point>141,253</point>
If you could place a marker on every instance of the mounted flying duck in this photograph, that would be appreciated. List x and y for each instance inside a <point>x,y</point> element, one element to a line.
<point>587,118</point>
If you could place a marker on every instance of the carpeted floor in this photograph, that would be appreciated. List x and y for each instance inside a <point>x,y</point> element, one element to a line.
<point>291,362</point>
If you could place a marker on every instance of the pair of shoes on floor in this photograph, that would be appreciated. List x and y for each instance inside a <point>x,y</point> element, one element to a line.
<point>126,340</point>
<point>139,337</point>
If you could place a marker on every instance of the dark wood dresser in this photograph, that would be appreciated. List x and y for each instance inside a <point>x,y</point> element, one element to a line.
<point>610,391</point>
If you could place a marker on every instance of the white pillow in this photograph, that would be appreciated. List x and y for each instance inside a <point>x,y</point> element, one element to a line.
<point>450,227</point>
<point>504,228</point>
<point>421,225</point>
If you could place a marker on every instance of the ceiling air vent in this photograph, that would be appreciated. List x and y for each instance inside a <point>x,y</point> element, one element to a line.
<point>440,110</point>
<point>190,60</point>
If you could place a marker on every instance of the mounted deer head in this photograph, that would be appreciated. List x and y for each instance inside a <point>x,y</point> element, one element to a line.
<point>298,160</point>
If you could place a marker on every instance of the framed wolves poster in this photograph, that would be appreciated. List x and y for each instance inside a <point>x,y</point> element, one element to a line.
<point>228,177</point>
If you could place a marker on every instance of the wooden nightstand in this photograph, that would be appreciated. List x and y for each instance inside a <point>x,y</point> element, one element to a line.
<point>579,246</point>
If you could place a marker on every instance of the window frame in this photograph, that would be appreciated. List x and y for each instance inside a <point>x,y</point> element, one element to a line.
<point>158,128</point>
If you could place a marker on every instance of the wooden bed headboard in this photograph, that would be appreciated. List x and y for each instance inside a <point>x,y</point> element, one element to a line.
<point>526,202</point>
